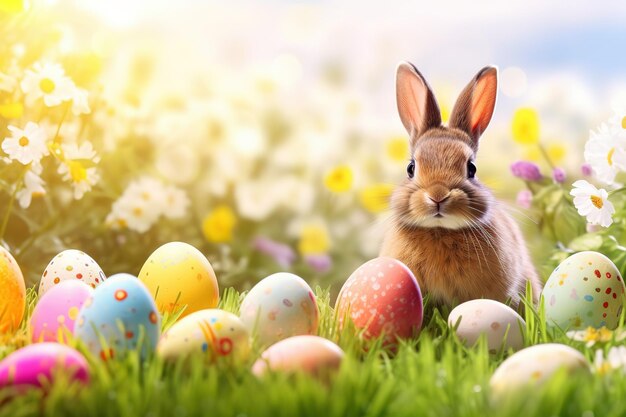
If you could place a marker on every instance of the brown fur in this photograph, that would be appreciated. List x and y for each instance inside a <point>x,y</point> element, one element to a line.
<point>448,228</point>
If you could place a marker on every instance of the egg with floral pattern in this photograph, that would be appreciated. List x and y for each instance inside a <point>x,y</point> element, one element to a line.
<point>71,264</point>
<point>119,315</point>
<point>12,292</point>
<point>383,299</point>
<point>585,290</point>
<point>179,276</point>
<point>57,310</point>
<point>39,364</point>
<point>279,306</point>
<point>212,333</point>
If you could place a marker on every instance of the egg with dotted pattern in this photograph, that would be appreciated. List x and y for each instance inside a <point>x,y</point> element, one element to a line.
<point>585,290</point>
<point>383,299</point>
<point>12,292</point>
<point>179,276</point>
<point>119,316</point>
<point>71,264</point>
<point>214,334</point>
<point>56,311</point>
<point>279,306</point>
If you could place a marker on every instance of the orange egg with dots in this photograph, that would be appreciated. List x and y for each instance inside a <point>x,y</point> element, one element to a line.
<point>12,292</point>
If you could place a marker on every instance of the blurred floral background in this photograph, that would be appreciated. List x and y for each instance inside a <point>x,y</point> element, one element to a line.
<point>266,133</point>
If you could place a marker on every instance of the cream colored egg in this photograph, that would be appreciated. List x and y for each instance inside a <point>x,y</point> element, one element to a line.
<point>212,333</point>
<point>180,276</point>
<point>71,264</point>
<point>500,324</point>
<point>280,306</point>
<point>536,364</point>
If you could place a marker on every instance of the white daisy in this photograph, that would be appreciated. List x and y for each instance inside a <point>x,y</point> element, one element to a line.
<point>605,151</point>
<point>80,102</point>
<point>47,81</point>
<point>593,203</point>
<point>175,203</point>
<point>33,187</point>
<point>615,359</point>
<point>133,212</point>
<point>77,167</point>
<point>27,145</point>
<point>256,200</point>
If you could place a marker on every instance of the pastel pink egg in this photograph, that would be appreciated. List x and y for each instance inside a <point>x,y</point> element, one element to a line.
<point>55,314</point>
<point>35,364</point>
<point>311,354</point>
<point>382,297</point>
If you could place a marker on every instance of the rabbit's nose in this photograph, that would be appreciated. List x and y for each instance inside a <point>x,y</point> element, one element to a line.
<point>438,200</point>
<point>438,194</point>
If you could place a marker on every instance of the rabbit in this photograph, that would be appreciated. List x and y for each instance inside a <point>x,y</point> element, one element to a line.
<point>447,227</point>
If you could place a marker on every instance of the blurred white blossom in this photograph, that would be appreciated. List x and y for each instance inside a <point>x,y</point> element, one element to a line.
<point>26,145</point>
<point>33,187</point>
<point>48,81</point>
<point>75,167</point>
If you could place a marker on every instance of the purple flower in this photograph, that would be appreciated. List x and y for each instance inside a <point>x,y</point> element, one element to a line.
<point>558,175</point>
<point>526,171</point>
<point>524,198</point>
<point>586,170</point>
<point>320,263</point>
<point>281,253</point>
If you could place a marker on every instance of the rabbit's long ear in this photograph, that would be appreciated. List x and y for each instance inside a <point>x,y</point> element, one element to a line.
<point>474,107</point>
<point>417,105</point>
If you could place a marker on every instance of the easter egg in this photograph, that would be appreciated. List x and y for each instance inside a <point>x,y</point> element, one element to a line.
<point>500,324</point>
<point>71,264</point>
<point>211,333</point>
<point>279,306</point>
<point>311,354</point>
<point>57,310</point>
<point>179,275</point>
<point>536,364</point>
<point>41,362</point>
<point>12,292</point>
<point>382,297</point>
<point>119,315</point>
<point>585,290</point>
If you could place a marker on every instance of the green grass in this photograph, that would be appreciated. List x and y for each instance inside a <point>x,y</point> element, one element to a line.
<point>434,375</point>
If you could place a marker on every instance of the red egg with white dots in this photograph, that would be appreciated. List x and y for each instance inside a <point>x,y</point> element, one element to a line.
<point>382,298</point>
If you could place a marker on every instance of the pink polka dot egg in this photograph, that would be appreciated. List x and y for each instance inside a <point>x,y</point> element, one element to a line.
<point>585,290</point>
<point>279,306</point>
<point>71,264</point>
<point>383,299</point>
<point>57,310</point>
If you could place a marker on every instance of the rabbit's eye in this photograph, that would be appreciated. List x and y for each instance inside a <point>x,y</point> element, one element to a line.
<point>471,169</point>
<point>410,169</point>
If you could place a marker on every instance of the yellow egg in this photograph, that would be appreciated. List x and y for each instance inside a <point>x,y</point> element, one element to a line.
<point>177,275</point>
<point>12,292</point>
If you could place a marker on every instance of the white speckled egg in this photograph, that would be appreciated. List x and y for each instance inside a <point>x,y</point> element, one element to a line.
<point>585,290</point>
<point>212,333</point>
<point>280,306</point>
<point>498,322</point>
<point>535,365</point>
<point>71,264</point>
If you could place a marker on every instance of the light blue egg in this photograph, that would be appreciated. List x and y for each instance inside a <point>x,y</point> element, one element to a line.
<point>121,315</point>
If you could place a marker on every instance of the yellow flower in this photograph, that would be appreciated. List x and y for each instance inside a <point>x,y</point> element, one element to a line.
<point>314,239</point>
<point>11,6</point>
<point>339,179</point>
<point>556,152</point>
<point>445,112</point>
<point>11,110</point>
<point>218,225</point>
<point>398,149</point>
<point>525,126</point>
<point>375,197</point>
<point>598,335</point>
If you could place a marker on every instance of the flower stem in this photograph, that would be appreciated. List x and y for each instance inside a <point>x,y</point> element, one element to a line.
<point>545,155</point>
<point>65,111</point>
<point>617,191</point>
<point>7,215</point>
